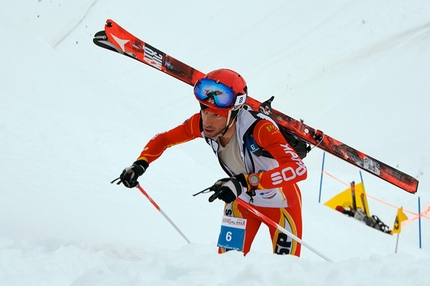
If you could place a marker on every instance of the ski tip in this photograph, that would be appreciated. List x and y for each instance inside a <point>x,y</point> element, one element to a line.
<point>110,23</point>
<point>99,37</point>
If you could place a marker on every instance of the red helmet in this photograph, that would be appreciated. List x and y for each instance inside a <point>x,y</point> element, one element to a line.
<point>221,89</point>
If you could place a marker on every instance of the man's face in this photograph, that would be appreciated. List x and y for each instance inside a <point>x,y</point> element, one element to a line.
<point>213,124</point>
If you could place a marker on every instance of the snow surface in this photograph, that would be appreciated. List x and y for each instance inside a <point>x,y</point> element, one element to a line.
<point>74,115</point>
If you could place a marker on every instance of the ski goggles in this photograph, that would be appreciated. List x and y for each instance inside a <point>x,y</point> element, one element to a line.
<point>222,95</point>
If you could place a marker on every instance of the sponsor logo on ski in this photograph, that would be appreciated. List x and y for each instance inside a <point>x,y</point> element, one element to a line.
<point>153,57</point>
<point>372,166</point>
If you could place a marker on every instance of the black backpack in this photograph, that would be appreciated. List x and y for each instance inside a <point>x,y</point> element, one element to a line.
<point>300,146</point>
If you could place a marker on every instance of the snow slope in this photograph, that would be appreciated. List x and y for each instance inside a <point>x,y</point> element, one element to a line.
<point>74,115</point>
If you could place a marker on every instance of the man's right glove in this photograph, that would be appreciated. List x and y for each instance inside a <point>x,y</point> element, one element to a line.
<point>227,189</point>
<point>130,174</point>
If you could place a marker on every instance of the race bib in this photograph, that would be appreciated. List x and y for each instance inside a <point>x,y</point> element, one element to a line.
<point>232,234</point>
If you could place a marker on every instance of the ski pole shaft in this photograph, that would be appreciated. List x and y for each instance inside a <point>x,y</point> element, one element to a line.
<point>162,212</point>
<point>280,228</point>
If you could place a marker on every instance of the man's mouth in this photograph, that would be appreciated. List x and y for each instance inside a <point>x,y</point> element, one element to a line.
<point>208,130</point>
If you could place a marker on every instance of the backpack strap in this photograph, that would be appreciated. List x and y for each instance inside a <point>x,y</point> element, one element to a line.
<point>300,146</point>
<point>251,144</point>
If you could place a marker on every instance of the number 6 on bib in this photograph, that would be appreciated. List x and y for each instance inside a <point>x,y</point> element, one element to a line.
<point>232,233</point>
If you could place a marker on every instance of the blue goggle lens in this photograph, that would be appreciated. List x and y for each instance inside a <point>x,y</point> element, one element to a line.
<point>222,95</point>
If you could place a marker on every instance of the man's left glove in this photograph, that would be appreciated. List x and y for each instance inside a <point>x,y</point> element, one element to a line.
<point>130,174</point>
<point>227,189</point>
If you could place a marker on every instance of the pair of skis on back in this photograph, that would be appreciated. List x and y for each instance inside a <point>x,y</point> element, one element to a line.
<point>117,39</point>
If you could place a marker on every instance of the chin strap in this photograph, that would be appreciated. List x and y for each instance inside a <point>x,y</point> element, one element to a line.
<point>228,127</point>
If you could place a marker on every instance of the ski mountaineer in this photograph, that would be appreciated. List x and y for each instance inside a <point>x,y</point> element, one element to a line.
<point>268,184</point>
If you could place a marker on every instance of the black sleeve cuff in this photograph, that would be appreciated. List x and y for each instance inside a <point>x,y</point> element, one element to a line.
<point>142,163</point>
<point>242,180</point>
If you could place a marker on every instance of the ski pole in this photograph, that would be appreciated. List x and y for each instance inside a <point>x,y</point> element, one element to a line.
<point>280,228</point>
<point>163,213</point>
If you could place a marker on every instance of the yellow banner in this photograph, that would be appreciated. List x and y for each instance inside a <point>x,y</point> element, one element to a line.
<point>344,199</point>
<point>400,216</point>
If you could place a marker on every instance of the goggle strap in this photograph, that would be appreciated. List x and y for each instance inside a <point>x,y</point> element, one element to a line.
<point>240,100</point>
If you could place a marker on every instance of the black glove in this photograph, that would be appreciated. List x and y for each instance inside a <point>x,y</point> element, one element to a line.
<point>227,189</point>
<point>130,174</point>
